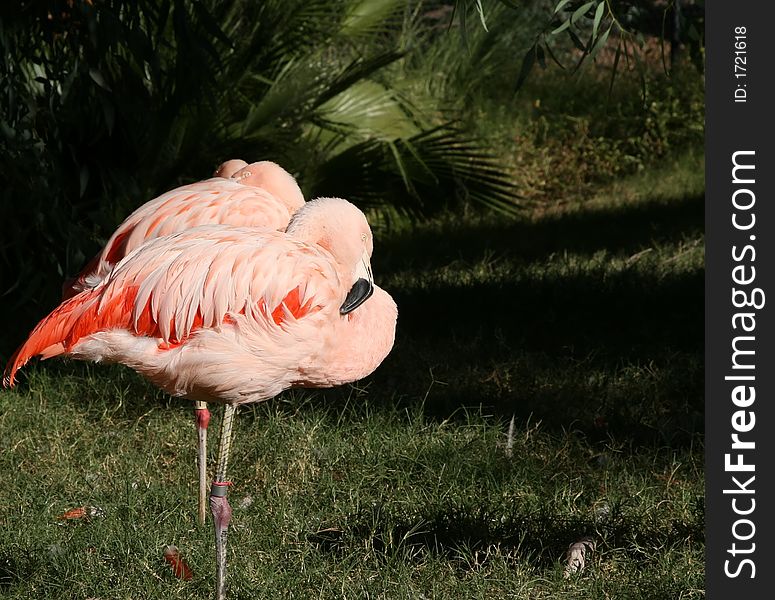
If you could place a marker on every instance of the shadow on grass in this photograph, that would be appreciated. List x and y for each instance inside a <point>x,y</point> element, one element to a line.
<point>472,534</point>
<point>626,228</point>
<point>9,571</point>
<point>620,315</point>
<point>97,389</point>
<point>613,352</point>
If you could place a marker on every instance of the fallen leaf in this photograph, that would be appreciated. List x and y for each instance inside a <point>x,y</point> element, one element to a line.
<point>74,513</point>
<point>81,512</point>
<point>577,555</point>
<point>180,568</point>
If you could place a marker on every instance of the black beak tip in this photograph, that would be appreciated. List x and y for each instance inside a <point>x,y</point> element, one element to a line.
<point>358,294</point>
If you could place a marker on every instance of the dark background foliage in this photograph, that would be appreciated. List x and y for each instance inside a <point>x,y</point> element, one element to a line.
<point>406,108</point>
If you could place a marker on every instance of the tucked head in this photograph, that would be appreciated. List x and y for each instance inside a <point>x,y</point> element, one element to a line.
<point>340,228</point>
<point>274,179</point>
<point>230,167</point>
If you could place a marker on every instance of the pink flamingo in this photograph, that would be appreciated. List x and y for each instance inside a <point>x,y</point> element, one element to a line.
<point>233,315</point>
<point>261,194</point>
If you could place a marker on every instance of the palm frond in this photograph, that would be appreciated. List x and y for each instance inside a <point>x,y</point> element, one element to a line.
<point>366,19</point>
<point>417,176</point>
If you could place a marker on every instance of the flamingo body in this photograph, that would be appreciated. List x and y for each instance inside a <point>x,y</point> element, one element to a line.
<point>222,314</point>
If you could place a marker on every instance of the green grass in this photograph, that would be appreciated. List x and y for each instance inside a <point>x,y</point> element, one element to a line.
<point>584,322</point>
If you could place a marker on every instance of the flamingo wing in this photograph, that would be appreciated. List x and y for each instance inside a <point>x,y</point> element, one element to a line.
<point>202,278</point>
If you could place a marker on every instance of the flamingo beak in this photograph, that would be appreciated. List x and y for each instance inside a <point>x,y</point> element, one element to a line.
<point>362,289</point>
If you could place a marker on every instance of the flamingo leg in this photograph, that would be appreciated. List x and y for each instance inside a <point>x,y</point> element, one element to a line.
<point>202,421</point>
<point>219,505</point>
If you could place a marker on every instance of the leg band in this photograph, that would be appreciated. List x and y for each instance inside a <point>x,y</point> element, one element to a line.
<point>219,489</point>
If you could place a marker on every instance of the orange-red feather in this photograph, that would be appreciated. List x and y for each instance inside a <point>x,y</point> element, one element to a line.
<point>84,315</point>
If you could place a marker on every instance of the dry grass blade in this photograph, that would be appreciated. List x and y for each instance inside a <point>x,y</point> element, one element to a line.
<point>510,438</point>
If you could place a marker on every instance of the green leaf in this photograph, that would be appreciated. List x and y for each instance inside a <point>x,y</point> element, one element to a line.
<point>210,25</point>
<point>480,10</point>
<point>626,53</point>
<point>561,28</point>
<point>527,65</point>
<point>580,11</point>
<point>99,79</point>
<point>559,6</point>
<point>598,17</point>
<point>540,56</point>
<point>419,175</point>
<point>577,41</point>
<point>600,43</point>
<point>402,169</point>
<point>615,67</point>
<point>358,70</point>
<point>83,178</point>
<point>370,17</point>
<point>365,110</point>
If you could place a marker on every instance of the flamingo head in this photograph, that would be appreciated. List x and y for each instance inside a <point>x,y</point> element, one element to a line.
<point>341,228</point>
<point>230,167</point>
<point>274,179</point>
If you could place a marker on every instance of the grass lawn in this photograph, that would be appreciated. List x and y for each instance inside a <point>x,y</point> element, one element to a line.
<point>583,322</point>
